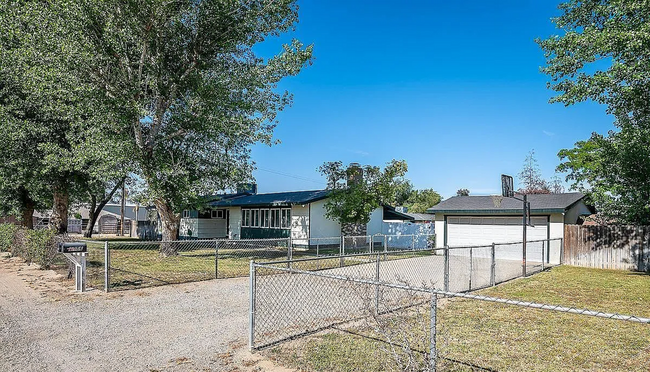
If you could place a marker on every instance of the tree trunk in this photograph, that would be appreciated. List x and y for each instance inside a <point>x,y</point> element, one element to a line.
<point>97,209</point>
<point>170,226</point>
<point>27,212</point>
<point>94,213</point>
<point>59,219</point>
<point>28,216</point>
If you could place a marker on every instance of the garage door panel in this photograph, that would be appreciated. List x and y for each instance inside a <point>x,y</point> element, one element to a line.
<point>469,231</point>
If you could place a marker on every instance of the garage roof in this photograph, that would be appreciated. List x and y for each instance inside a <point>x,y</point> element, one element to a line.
<point>540,203</point>
<point>272,199</point>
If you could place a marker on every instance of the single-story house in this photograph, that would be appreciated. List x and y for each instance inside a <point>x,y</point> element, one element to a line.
<point>300,215</point>
<point>480,220</point>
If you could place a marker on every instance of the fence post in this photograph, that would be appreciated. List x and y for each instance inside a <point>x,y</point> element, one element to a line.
<point>107,267</point>
<point>446,268</point>
<point>289,251</point>
<point>216,260</point>
<point>377,285</point>
<point>561,251</point>
<point>385,246</point>
<point>471,268</point>
<point>341,250</point>
<point>548,251</point>
<point>251,319</point>
<point>433,354</point>
<point>412,241</point>
<point>371,248</point>
<point>493,265</point>
<point>543,255</point>
<point>317,246</point>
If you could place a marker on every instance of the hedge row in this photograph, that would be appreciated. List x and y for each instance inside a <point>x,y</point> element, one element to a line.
<point>34,246</point>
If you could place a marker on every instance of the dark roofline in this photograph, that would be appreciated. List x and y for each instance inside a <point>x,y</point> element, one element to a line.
<point>496,211</point>
<point>457,210</point>
<point>237,202</point>
<point>391,209</point>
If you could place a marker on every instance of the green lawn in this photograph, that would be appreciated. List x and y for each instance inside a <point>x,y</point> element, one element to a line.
<point>139,264</point>
<point>502,337</point>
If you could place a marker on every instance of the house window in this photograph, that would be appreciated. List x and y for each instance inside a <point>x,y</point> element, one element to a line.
<point>246,218</point>
<point>264,217</point>
<point>275,218</point>
<point>217,214</point>
<point>255,218</point>
<point>286,218</point>
<point>186,214</point>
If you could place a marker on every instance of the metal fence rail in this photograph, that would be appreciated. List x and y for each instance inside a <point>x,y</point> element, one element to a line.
<point>134,264</point>
<point>451,269</point>
<point>288,302</point>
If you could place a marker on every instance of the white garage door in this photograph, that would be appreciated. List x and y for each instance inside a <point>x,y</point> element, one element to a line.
<point>470,231</point>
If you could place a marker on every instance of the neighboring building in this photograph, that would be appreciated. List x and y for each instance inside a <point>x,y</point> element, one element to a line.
<point>480,220</point>
<point>136,220</point>
<point>248,215</point>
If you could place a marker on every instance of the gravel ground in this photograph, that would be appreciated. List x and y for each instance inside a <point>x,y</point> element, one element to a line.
<point>44,326</point>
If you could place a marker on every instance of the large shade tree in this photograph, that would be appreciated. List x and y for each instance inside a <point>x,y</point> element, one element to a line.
<point>41,115</point>
<point>187,86</point>
<point>603,55</point>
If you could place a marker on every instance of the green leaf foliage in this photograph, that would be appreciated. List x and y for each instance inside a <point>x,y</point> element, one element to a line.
<point>7,231</point>
<point>614,171</point>
<point>356,191</point>
<point>603,55</point>
<point>186,87</point>
<point>421,200</point>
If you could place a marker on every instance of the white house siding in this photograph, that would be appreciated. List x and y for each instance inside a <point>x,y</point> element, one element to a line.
<point>300,224</point>
<point>579,209</point>
<point>322,227</point>
<point>375,225</point>
<point>235,223</point>
<point>556,229</point>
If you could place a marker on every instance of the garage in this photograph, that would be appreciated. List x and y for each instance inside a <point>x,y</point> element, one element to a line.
<point>487,219</point>
<point>481,230</point>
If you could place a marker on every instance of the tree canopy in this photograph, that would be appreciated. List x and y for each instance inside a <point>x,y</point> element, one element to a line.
<point>603,55</point>
<point>462,192</point>
<point>421,200</point>
<point>358,190</point>
<point>532,180</point>
<point>187,87</point>
<point>615,171</point>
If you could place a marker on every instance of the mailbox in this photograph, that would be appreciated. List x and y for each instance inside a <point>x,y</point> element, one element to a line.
<point>73,248</point>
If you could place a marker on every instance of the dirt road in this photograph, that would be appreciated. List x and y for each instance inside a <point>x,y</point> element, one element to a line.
<point>45,326</point>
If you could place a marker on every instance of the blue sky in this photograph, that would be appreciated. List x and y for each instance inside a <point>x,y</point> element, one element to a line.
<point>453,88</point>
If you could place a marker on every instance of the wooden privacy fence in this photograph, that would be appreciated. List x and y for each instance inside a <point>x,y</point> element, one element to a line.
<point>607,247</point>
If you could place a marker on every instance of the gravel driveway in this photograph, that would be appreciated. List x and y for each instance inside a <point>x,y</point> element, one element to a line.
<point>46,327</point>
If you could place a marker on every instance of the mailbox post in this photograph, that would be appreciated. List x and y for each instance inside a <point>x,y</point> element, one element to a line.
<point>76,253</point>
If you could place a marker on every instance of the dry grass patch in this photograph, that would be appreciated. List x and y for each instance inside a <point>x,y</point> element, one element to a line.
<point>474,336</point>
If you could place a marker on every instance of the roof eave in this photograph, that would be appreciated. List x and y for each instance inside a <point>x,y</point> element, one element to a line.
<point>494,211</point>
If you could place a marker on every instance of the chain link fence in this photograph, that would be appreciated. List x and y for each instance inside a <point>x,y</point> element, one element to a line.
<point>119,265</point>
<point>451,269</point>
<point>415,325</point>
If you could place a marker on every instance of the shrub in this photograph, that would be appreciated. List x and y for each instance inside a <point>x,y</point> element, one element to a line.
<point>7,232</point>
<point>36,246</point>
